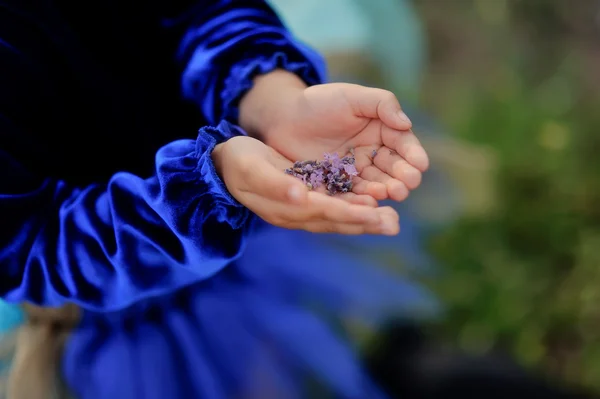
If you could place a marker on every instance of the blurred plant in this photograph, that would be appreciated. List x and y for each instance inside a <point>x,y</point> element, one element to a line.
<point>526,275</point>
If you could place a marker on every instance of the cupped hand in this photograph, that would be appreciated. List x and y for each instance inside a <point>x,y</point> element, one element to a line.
<point>254,175</point>
<point>339,117</point>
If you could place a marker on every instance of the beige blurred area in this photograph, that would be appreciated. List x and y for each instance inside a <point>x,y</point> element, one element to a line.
<point>471,168</point>
<point>36,349</point>
<point>7,349</point>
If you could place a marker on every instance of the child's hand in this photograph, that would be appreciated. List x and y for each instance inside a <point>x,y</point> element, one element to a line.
<point>303,123</point>
<point>254,175</point>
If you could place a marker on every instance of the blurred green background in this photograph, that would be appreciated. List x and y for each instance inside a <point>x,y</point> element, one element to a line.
<point>523,77</point>
<point>515,84</point>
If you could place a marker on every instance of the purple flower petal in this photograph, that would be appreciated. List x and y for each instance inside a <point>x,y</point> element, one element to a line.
<point>334,172</point>
<point>350,170</point>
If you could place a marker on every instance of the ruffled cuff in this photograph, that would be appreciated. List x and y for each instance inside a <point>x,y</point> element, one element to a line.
<point>232,211</point>
<point>309,67</point>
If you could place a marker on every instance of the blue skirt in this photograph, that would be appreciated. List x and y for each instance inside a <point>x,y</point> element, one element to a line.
<point>262,328</point>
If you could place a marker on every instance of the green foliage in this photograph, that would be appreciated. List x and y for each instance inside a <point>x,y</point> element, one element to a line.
<point>527,275</point>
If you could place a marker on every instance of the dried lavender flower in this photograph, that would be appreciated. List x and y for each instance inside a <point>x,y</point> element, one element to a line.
<point>333,172</point>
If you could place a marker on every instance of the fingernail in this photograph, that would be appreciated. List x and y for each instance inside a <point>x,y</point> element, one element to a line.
<point>295,193</point>
<point>389,228</point>
<point>404,118</point>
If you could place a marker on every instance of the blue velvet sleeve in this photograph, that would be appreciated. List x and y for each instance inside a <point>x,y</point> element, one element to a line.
<point>106,246</point>
<point>227,44</point>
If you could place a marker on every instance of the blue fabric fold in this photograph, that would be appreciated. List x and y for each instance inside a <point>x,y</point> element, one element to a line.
<point>105,247</point>
<point>259,328</point>
<point>230,43</point>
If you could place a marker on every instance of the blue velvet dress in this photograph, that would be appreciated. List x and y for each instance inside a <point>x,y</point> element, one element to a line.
<point>109,199</point>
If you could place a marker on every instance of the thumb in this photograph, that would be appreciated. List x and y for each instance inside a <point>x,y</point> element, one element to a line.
<point>378,104</point>
<point>270,182</point>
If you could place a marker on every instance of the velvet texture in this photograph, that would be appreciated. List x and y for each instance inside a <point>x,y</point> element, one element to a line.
<point>107,201</point>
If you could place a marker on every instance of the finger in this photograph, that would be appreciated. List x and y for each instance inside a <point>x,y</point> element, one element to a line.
<point>372,188</point>
<point>319,207</point>
<point>407,145</point>
<point>389,225</point>
<point>357,199</point>
<point>395,189</point>
<point>394,165</point>
<point>324,207</point>
<point>378,104</point>
<point>387,213</point>
<point>274,184</point>
<point>342,228</point>
<point>384,220</point>
<point>351,197</point>
<point>390,220</point>
<point>365,155</point>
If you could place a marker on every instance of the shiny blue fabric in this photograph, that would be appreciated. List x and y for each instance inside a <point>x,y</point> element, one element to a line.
<point>105,247</point>
<point>257,329</point>
<point>232,42</point>
<point>184,296</point>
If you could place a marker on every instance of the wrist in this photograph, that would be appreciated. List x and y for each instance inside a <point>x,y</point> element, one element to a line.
<point>217,159</point>
<point>269,102</point>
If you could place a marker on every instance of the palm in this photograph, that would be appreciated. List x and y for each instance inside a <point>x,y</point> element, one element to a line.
<point>389,161</point>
